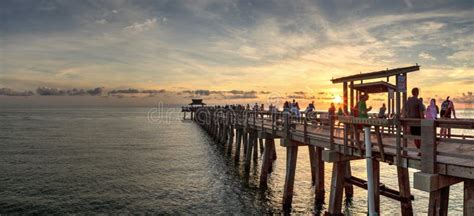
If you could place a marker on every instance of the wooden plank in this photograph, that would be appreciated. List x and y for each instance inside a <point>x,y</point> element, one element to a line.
<point>376,74</point>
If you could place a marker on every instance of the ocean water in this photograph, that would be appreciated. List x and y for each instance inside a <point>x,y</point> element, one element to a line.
<point>118,160</point>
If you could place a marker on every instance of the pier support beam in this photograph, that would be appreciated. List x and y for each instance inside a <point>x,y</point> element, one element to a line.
<point>238,142</point>
<point>255,147</point>
<point>245,136</point>
<point>337,188</point>
<point>291,156</point>
<point>250,145</point>
<point>404,188</point>
<point>231,139</point>
<point>439,200</point>
<point>317,173</point>
<point>468,207</point>
<point>348,188</point>
<point>376,173</point>
<point>267,161</point>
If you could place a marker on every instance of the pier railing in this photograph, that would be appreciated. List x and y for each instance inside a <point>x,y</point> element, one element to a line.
<point>342,133</point>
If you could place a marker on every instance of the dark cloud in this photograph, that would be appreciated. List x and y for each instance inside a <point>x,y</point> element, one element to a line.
<point>154,91</point>
<point>10,92</point>
<point>265,92</point>
<point>125,91</point>
<point>299,93</point>
<point>221,95</point>
<point>299,96</point>
<point>47,91</point>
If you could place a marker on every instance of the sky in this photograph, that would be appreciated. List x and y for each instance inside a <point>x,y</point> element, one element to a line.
<point>117,52</point>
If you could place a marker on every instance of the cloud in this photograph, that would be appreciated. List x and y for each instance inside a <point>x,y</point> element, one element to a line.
<point>101,21</point>
<point>141,27</point>
<point>427,56</point>
<point>462,56</point>
<point>10,92</point>
<point>47,91</point>
<point>124,91</point>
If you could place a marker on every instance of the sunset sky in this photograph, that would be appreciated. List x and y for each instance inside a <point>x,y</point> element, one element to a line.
<point>141,52</point>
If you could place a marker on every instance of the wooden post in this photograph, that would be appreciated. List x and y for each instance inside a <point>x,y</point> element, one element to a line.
<point>352,94</point>
<point>348,187</point>
<point>428,146</point>
<point>312,161</point>
<point>248,155</point>
<point>337,187</point>
<point>438,204</point>
<point>231,139</point>
<point>344,97</point>
<point>291,156</point>
<point>255,146</point>
<point>468,207</point>
<point>245,141</point>
<point>267,161</point>
<point>319,190</point>
<point>376,171</point>
<point>399,127</point>
<point>260,141</point>
<point>404,188</point>
<point>238,143</point>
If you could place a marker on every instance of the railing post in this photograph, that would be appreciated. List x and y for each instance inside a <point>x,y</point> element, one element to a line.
<point>331,133</point>
<point>286,125</point>
<point>428,146</point>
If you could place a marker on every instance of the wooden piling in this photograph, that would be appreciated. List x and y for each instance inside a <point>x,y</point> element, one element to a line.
<point>255,147</point>
<point>468,207</point>
<point>231,139</point>
<point>239,133</point>
<point>438,205</point>
<point>319,190</point>
<point>291,156</point>
<point>404,188</point>
<point>337,188</point>
<point>248,155</point>
<point>245,136</point>
<point>376,171</point>
<point>267,161</point>
<point>312,162</point>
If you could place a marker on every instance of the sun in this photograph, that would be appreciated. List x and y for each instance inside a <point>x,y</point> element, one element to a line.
<point>337,99</point>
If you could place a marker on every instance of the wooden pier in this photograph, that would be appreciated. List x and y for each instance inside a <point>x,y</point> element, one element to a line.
<point>442,163</point>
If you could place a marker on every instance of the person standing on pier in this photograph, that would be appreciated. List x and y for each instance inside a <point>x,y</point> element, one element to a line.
<point>362,106</point>
<point>414,108</point>
<point>432,110</point>
<point>447,107</point>
<point>382,111</point>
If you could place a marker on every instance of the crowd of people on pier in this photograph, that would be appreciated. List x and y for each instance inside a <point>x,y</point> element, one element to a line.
<point>413,108</point>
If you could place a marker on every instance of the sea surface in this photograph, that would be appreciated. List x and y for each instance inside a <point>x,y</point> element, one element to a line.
<point>124,160</point>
